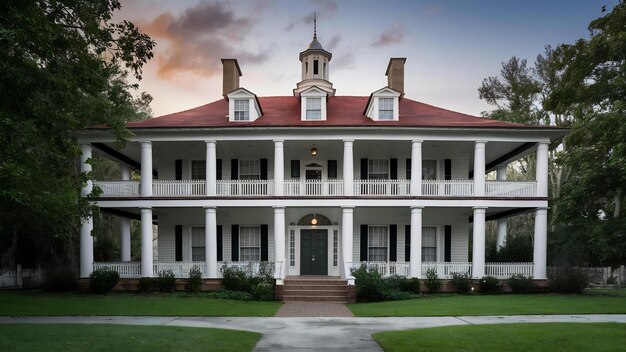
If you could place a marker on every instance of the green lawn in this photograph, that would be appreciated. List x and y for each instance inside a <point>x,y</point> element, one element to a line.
<point>28,337</point>
<point>508,337</point>
<point>41,303</point>
<point>505,304</point>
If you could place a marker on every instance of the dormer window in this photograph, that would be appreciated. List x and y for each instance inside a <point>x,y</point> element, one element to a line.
<point>385,108</point>
<point>314,108</point>
<point>242,109</point>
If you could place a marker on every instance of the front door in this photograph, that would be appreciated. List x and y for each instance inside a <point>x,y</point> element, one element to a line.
<point>314,252</point>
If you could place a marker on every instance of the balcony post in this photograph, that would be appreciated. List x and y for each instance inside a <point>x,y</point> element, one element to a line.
<point>542,169</point>
<point>86,226</point>
<point>501,234</point>
<point>478,243</point>
<point>540,243</point>
<point>211,167</point>
<point>348,168</point>
<point>279,168</point>
<point>210,242</point>
<point>279,240</point>
<point>146,170</point>
<point>479,168</point>
<point>146,241</point>
<point>347,237</point>
<point>124,239</point>
<point>416,167</point>
<point>415,266</point>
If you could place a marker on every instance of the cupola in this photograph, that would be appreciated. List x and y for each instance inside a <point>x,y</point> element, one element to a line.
<point>315,67</point>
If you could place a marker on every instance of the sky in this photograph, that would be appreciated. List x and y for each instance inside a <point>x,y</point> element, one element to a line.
<point>450,46</point>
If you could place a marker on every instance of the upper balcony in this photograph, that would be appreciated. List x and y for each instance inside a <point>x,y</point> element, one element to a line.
<point>319,188</point>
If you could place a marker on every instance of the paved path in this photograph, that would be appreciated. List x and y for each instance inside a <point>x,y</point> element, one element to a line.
<point>313,309</point>
<point>318,334</point>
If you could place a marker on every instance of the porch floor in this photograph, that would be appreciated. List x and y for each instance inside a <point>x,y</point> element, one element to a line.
<point>313,309</point>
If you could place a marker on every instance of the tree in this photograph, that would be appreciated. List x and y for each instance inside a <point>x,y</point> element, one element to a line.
<point>593,83</point>
<point>63,66</point>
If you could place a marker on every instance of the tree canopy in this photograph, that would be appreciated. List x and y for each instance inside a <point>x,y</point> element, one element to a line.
<point>64,66</point>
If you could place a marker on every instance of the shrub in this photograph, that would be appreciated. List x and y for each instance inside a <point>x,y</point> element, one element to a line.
<point>568,280</point>
<point>520,283</point>
<point>397,295</point>
<point>235,279</point>
<point>264,291</point>
<point>195,279</point>
<point>432,281</point>
<point>410,285</point>
<point>148,284</point>
<point>242,279</point>
<point>235,295</point>
<point>461,282</point>
<point>166,281</point>
<point>60,279</point>
<point>103,280</point>
<point>489,284</point>
<point>370,286</point>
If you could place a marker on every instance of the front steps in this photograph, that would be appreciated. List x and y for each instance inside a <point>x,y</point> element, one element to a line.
<point>316,289</point>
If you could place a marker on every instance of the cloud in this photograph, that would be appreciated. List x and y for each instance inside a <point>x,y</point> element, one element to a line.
<point>343,61</point>
<point>393,35</point>
<point>198,37</point>
<point>333,43</point>
<point>325,8</point>
<point>433,8</point>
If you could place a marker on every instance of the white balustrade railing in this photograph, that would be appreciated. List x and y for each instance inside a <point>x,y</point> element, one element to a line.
<point>384,268</point>
<point>180,269</point>
<point>511,188</point>
<point>279,270</point>
<point>381,188</point>
<point>446,269</point>
<point>313,188</point>
<point>448,188</point>
<point>245,187</point>
<point>124,269</point>
<point>178,188</point>
<point>505,270</point>
<point>118,188</point>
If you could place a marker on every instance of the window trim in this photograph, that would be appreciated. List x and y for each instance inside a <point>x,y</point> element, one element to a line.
<point>380,109</point>
<point>318,108</point>
<point>243,103</point>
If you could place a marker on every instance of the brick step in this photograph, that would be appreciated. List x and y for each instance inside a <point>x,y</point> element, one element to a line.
<point>316,282</point>
<point>314,293</point>
<point>315,288</point>
<point>335,299</point>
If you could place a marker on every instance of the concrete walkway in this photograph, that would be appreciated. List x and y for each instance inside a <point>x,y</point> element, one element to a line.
<point>318,334</point>
<point>313,309</point>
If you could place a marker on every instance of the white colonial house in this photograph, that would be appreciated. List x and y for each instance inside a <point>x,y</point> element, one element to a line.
<point>319,183</point>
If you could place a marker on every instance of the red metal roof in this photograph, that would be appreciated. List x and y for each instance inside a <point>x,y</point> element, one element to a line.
<point>341,111</point>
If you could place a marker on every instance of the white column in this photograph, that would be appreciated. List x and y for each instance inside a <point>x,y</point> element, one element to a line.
<point>347,236</point>
<point>86,246</point>
<point>124,239</point>
<point>542,170</point>
<point>211,168</point>
<point>279,168</point>
<point>279,241</point>
<point>125,172</point>
<point>146,169</point>
<point>479,168</point>
<point>348,168</point>
<point>478,244</point>
<point>501,234</point>
<point>416,167</point>
<point>210,241</point>
<point>86,240</point>
<point>146,241</point>
<point>541,243</point>
<point>415,266</point>
<point>501,172</point>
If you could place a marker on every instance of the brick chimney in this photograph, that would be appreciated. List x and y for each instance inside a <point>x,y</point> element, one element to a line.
<point>395,74</point>
<point>230,76</point>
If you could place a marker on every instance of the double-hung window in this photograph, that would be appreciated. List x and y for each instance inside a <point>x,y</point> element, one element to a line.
<point>385,108</point>
<point>250,243</point>
<point>250,169</point>
<point>378,242</point>
<point>197,244</point>
<point>242,110</point>
<point>198,169</point>
<point>313,108</point>
<point>429,244</point>
<point>378,169</point>
<point>429,169</point>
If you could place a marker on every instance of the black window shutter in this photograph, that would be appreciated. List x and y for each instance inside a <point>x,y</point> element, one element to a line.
<point>393,243</point>
<point>218,167</point>
<point>408,169</point>
<point>263,169</point>
<point>234,233</point>
<point>178,245</point>
<point>264,243</point>
<point>295,169</point>
<point>178,169</point>
<point>447,243</point>
<point>364,233</point>
<point>332,169</point>
<point>220,244</point>
<point>407,243</point>
<point>364,169</point>
<point>234,169</point>
<point>447,169</point>
<point>393,168</point>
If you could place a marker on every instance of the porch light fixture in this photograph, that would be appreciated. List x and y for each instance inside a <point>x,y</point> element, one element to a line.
<point>314,220</point>
<point>314,151</point>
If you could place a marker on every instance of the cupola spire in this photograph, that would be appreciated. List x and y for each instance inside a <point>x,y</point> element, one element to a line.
<point>315,24</point>
<point>315,65</point>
